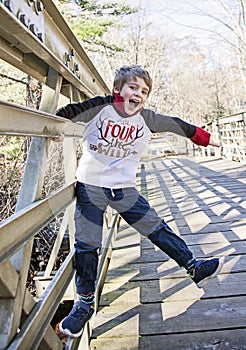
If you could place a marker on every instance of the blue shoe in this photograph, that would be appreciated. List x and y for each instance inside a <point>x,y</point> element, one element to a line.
<point>205,270</point>
<point>73,324</point>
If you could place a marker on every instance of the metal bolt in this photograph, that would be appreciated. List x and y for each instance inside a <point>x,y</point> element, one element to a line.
<point>40,36</point>
<point>39,6</point>
<point>9,5</point>
<point>32,28</point>
<point>67,57</point>
<point>30,2</point>
<point>22,18</point>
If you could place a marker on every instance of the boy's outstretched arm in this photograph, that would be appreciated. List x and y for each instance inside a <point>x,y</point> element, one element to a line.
<point>163,123</point>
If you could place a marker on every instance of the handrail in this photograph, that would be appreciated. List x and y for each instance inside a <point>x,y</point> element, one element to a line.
<point>25,121</point>
<point>22,226</point>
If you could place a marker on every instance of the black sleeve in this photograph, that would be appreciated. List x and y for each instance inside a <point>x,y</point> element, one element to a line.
<point>163,123</point>
<point>84,111</point>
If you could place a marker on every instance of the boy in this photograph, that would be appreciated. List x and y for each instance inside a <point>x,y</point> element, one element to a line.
<point>116,132</point>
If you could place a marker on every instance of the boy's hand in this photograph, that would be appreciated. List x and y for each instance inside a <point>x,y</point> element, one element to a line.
<point>213,143</point>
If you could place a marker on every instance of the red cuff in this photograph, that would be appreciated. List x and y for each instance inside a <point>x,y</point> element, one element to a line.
<point>201,137</point>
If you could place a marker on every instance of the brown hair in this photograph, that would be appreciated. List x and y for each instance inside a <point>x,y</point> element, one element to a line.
<point>125,73</point>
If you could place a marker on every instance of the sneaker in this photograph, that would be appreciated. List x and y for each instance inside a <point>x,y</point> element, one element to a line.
<point>73,324</point>
<point>205,270</point>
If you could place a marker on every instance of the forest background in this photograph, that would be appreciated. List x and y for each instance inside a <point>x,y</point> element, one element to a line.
<point>195,50</point>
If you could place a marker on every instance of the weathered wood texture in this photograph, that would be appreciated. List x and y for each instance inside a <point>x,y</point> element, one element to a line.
<point>148,302</point>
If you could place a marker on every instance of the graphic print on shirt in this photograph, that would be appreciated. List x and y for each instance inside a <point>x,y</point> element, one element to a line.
<point>117,138</point>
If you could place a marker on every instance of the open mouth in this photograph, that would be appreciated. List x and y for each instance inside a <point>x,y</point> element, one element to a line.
<point>134,102</point>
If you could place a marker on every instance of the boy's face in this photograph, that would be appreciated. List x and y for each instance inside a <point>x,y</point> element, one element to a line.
<point>135,93</point>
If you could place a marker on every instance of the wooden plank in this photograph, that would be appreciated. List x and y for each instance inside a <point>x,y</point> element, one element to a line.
<point>127,237</point>
<point>216,340</point>
<point>168,269</point>
<point>212,237</point>
<point>135,254</point>
<point>126,343</point>
<point>175,289</point>
<point>232,215</point>
<point>170,317</point>
<point>206,226</point>
<point>219,249</point>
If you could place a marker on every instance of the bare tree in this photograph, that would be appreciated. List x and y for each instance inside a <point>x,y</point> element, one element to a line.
<point>235,22</point>
<point>230,17</point>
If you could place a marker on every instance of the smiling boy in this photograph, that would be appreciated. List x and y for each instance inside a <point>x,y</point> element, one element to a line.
<point>117,129</point>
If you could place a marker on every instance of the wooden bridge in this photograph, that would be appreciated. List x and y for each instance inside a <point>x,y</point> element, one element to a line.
<point>147,300</point>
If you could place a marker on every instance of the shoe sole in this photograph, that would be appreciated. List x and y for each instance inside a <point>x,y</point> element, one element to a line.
<point>68,332</point>
<point>203,282</point>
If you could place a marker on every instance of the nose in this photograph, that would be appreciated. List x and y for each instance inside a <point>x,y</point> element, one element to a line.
<point>138,92</point>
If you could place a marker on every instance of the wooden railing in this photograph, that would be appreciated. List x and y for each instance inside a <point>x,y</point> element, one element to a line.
<point>35,38</point>
<point>230,133</point>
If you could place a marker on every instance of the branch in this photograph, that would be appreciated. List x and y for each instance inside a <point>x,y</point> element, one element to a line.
<point>242,11</point>
<point>234,28</point>
<point>205,30</point>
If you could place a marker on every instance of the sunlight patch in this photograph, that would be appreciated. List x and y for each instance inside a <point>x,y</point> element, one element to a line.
<point>175,308</point>
<point>219,209</point>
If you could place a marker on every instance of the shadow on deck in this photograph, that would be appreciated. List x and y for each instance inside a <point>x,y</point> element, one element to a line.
<point>148,302</point>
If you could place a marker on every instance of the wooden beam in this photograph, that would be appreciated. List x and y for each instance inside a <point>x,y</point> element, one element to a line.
<point>57,47</point>
<point>22,226</point>
<point>24,121</point>
<point>50,340</point>
<point>42,313</point>
<point>8,280</point>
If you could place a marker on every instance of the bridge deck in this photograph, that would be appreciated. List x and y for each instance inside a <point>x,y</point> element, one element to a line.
<point>148,302</point>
